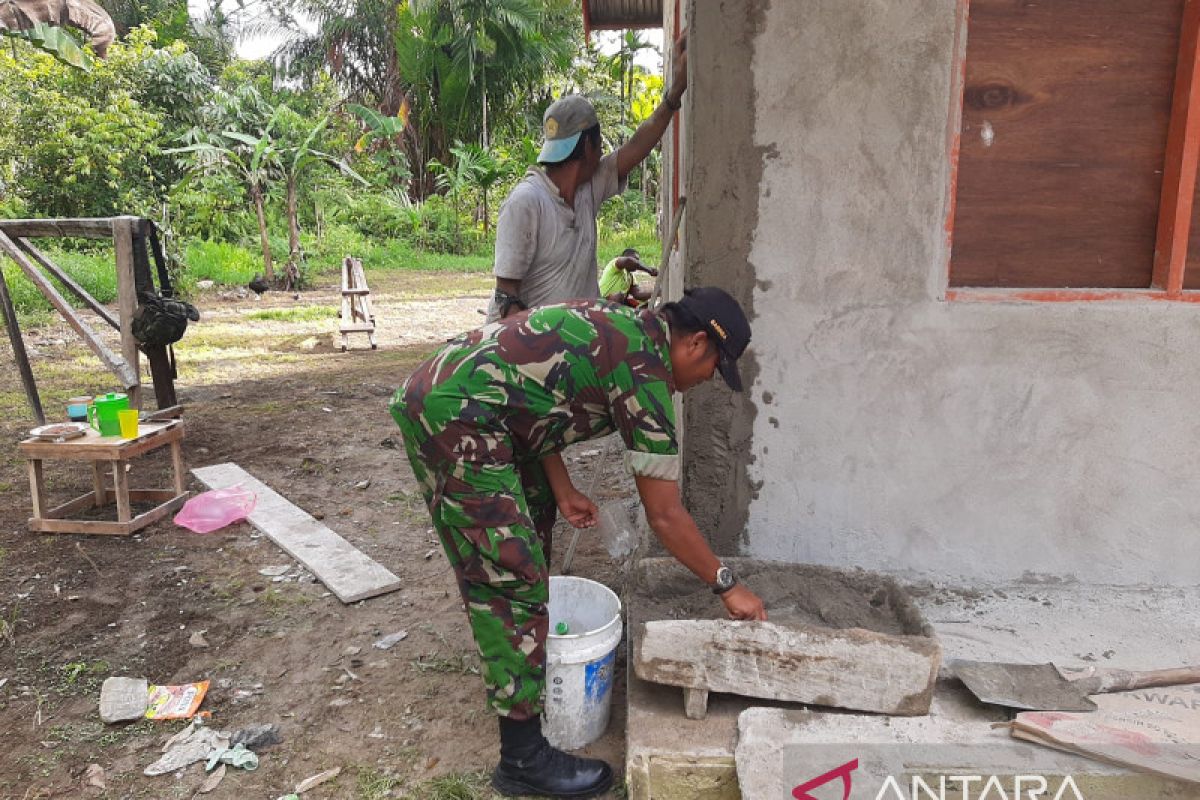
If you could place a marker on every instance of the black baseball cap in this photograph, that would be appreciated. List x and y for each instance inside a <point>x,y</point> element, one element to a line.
<point>719,315</point>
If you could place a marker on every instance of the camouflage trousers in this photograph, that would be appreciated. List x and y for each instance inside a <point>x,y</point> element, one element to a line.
<point>494,520</point>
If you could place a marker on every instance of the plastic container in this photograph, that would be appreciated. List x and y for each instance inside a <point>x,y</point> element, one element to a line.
<point>102,413</point>
<point>580,664</point>
<point>77,408</point>
<point>615,529</point>
<point>127,418</point>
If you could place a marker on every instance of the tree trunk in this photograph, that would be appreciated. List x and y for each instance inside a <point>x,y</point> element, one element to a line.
<point>268,267</point>
<point>457,232</point>
<point>293,223</point>
<point>621,75</point>
<point>485,112</point>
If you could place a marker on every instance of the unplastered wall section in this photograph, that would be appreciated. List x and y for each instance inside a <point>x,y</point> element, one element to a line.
<point>885,427</point>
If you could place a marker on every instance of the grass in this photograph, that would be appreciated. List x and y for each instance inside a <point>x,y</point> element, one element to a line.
<point>95,272</point>
<point>374,785</point>
<point>460,664</point>
<point>219,262</point>
<point>297,314</point>
<point>8,625</point>
<point>464,786</point>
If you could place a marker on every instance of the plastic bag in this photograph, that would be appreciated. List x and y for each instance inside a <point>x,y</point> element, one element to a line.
<point>216,509</point>
<point>616,530</point>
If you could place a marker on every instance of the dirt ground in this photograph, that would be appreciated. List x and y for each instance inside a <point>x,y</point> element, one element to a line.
<point>265,387</point>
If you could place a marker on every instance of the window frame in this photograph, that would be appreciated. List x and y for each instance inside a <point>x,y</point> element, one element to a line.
<point>1181,159</point>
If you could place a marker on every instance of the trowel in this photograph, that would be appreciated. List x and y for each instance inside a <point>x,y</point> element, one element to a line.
<point>1046,687</point>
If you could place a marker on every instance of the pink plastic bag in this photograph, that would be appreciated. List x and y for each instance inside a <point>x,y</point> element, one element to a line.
<point>216,509</point>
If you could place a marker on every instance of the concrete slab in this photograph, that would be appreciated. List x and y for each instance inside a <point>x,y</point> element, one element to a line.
<point>670,756</point>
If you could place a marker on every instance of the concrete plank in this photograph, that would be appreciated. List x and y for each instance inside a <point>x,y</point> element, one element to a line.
<point>347,572</point>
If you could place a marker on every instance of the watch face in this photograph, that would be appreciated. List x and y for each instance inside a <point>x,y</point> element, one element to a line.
<point>724,578</point>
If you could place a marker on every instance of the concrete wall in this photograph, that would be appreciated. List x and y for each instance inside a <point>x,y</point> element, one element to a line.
<point>886,427</point>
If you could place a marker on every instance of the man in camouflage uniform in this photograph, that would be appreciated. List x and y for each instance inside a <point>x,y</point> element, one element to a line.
<point>484,421</point>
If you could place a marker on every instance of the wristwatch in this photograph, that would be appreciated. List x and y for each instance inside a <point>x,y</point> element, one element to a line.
<point>505,301</point>
<point>725,580</point>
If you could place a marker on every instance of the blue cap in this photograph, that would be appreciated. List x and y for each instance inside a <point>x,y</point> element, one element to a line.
<point>556,150</point>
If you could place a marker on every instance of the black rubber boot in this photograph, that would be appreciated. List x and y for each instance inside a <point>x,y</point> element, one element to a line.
<point>530,766</point>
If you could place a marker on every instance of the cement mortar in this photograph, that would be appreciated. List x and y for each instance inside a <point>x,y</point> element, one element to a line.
<point>795,594</point>
<point>723,173</point>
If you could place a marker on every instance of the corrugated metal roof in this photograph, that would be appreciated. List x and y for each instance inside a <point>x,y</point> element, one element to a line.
<point>617,14</point>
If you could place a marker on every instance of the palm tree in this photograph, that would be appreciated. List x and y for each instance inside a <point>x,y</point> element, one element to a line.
<point>489,170</point>
<point>354,41</point>
<point>455,178</point>
<point>487,31</point>
<point>631,44</point>
<point>457,68</point>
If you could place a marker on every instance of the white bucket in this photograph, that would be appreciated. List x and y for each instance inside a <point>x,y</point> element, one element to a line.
<point>580,663</point>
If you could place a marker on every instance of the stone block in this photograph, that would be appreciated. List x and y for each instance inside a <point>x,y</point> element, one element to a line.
<point>853,669</point>
<point>841,638</point>
<point>123,699</point>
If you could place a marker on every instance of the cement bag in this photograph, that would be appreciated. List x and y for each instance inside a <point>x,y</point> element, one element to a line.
<point>216,509</point>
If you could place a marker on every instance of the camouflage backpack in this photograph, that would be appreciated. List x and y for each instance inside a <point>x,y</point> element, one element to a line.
<point>160,319</point>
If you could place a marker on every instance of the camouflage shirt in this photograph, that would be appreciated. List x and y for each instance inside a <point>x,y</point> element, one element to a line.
<point>556,375</point>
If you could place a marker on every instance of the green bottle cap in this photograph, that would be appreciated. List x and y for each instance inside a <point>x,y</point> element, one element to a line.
<point>562,628</point>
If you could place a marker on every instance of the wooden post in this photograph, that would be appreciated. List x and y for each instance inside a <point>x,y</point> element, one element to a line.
<point>1180,162</point>
<point>177,465</point>
<point>19,354</point>
<point>121,487</point>
<point>98,484</point>
<point>37,488</point>
<point>162,376</point>
<point>122,232</point>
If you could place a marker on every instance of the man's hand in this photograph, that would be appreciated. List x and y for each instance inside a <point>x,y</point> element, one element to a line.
<point>679,74</point>
<point>577,509</point>
<point>741,603</point>
<point>651,271</point>
<point>648,134</point>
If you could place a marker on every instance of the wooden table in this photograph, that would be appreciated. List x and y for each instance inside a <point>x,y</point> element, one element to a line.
<point>113,453</point>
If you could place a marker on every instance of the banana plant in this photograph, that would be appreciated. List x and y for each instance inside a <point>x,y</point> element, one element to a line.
<point>296,159</point>
<point>255,160</point>
<point>55,41</point>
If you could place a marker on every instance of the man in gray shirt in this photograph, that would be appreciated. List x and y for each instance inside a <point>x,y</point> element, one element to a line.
<point>546,233</point>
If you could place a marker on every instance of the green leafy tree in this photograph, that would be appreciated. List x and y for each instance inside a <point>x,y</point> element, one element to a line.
<point>81,143</point>
<point>254,159</point>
